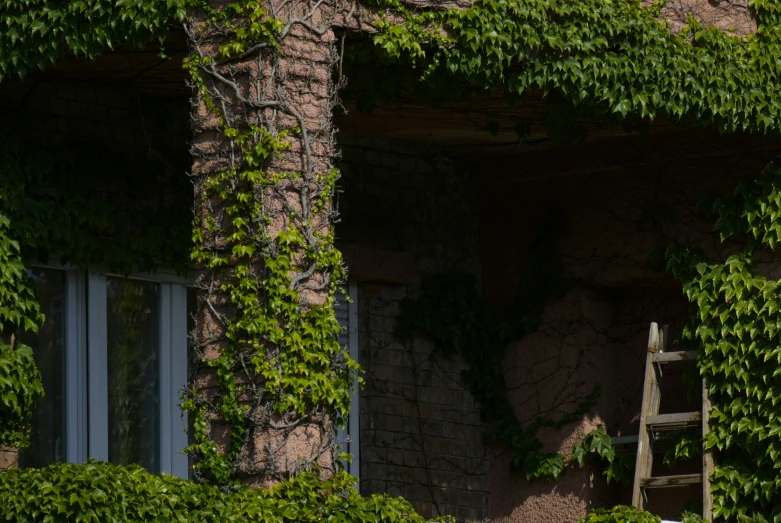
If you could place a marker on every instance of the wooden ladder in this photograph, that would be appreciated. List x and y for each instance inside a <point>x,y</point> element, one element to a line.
<point>653,423</point>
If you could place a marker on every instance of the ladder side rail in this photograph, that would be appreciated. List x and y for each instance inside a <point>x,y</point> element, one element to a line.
<point>650,406</point>
<point>707,456</point>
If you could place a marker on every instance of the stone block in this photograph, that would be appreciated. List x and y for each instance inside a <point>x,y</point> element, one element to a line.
<point>9,458</point>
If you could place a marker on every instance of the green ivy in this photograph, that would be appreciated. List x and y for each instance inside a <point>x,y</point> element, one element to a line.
<point>98,492</point>
<point>597,445</point>
<point>309,367</point>
<point>735,323</point>
<point>36,33</point>
<point>617,60</point>
<point>20,381</point>
<point>687,445</point>
<point>56,211</point>
<point>293,349</point>
<point>691,517</point>
<point>615,57</point>
<point>620,514</point>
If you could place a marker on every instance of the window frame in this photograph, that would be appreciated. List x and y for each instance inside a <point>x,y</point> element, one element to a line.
<point>353,428</point>
<point>85,362</point>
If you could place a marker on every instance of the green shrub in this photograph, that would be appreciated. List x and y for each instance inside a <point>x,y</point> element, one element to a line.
<point>691,517</point>
<point>103,493</point>
<point>624,514</point>
<point>20,381</point>
<point>620,514</point>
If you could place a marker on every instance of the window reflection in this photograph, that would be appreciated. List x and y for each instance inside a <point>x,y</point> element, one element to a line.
<point>47,443</point>
<point>133,372</point>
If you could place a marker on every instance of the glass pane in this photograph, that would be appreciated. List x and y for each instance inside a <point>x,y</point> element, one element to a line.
<point>133,373</point>
<point>47,443</point>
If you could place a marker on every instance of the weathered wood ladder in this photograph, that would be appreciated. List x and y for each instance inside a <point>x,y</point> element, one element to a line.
<point>653,423</point>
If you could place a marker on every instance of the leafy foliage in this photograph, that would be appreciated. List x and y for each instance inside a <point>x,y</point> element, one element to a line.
<point>99,492</point>
<point>36,33</point>
<point>616,58</point>
<point>620,514</point>
<point>307,366</point>
<point>612,56</point>
<point>624,514</point>
<point>20,388</point>
<point>278,351</point>
<point>20,381</point>
<point>692,517</point>
<point>597,445</point>
<point>735,323</point>
<point>452,314</point>
<point>687,445</point>
<point>82,222</point>
<point>46,215</point>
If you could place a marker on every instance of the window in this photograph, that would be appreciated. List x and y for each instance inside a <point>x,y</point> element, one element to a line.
<point>113,357</point>
<point>347,315</point>
<point>46,443</point>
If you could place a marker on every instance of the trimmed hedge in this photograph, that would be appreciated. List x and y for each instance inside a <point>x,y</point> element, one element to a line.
<point>624,514</point>
<point>104,493</point>
<point>620,514</point>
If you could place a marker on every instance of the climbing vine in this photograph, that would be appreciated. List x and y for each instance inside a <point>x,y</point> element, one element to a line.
<point>615,58</point>
<point>597,445</point>
<point>618,59</point>
<point>451,313</point>
<point>20,381</point>
<point>735,325</point>
<point>267,290</point>
<point>264,244</point>
<point>37,33</point>
<point>263,234</point>
<point>46,216</point>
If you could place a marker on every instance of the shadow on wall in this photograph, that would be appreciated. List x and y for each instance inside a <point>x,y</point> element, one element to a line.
<point>623,201</point>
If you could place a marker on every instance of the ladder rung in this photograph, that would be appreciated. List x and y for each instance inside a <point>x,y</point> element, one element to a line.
<point>684,480</point>
<point>624,440</point>
<point>670,357</point>
<point>675,421</point>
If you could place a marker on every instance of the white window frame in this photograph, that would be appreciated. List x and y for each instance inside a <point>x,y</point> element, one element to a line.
<point>353,428</point>
<point>86,366</point>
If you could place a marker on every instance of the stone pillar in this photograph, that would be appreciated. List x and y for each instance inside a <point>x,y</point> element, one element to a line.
<point>275,90</point>
<point>9,458</point>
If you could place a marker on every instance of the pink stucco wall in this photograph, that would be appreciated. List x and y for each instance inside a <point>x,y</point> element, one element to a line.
<point>606,193</point>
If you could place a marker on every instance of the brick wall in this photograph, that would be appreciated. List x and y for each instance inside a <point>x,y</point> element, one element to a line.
<point>421,434</point>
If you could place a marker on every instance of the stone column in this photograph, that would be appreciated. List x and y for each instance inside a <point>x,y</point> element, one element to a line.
<point>275,90</point>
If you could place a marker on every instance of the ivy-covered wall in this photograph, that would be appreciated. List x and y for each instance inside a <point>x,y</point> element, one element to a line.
<point>609,194</point>
<point>263,97</point>
<point>622,200</point>
<point>124,151</point>
<point>421,432</point>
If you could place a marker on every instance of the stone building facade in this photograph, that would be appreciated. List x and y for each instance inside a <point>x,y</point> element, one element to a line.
<point>426,192</point>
